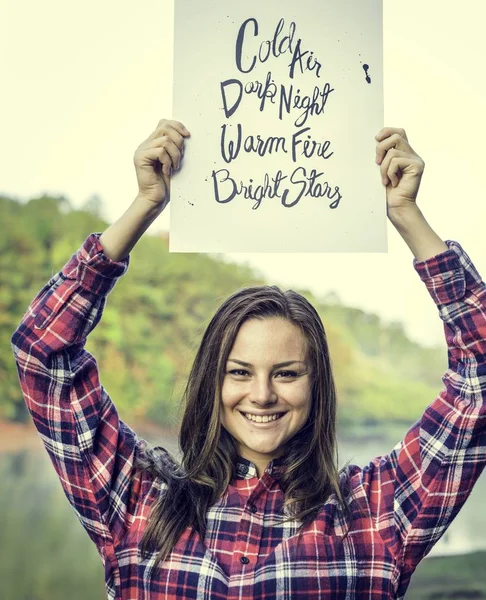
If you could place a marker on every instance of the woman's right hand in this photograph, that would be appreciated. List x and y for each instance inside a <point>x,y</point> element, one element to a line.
<point>155,160</point>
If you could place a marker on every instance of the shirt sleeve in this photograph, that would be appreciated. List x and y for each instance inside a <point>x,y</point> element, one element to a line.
<point>91,449</point>
<point>416,491</point>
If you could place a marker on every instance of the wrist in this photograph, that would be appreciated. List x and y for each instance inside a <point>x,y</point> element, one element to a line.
<point>417,233</point>
<point>143,205</point>
<point>120,237</point>
<point>404,216</point>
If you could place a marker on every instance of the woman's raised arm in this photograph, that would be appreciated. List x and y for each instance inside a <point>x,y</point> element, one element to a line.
<point>401,170</point>
<point>92,450</point>
<point>155,160</point>
<point>415,492</point>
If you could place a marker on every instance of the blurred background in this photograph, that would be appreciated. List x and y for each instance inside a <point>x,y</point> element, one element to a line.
<point>83,85</point>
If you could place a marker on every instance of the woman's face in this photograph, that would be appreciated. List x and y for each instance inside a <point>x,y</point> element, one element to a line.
<point>267,373</point>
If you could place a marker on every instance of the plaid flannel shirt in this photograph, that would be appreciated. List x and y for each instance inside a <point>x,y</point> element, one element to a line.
<point>407,498</point>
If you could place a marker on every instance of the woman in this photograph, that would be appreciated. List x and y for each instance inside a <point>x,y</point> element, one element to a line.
<point>257,510</point>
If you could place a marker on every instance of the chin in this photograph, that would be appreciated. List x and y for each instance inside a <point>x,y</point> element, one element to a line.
<point>273,450</point>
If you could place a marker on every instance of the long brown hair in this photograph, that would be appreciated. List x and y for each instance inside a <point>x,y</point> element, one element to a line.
<point>209,452</point>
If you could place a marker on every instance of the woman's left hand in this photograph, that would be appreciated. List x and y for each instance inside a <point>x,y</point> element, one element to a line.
<point>401,169</point>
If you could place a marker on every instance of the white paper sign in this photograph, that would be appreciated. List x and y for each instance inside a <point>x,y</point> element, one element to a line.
<point>283,100</point>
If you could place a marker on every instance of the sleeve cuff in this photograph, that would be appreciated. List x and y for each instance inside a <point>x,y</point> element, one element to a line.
<point>93,269</point>
<point>449,274</point>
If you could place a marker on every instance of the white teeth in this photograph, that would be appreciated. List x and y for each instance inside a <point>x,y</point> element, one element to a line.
<point>266,419</point>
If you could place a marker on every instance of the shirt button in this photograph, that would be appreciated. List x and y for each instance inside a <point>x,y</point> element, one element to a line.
<point>244,560</point>
<point>253,508</point>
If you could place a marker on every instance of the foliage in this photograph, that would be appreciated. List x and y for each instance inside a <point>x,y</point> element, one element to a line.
<point>154,318</point>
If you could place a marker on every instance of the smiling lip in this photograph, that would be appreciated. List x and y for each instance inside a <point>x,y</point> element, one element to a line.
<point>248,412</point>
<point>269,423</point>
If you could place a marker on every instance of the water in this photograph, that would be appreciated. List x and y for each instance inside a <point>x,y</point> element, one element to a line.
<point>44,552</point>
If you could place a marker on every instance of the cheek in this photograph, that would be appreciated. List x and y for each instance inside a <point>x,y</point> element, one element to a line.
<point>300,395</point>
<point>303,403</point>
<point>230,393</point>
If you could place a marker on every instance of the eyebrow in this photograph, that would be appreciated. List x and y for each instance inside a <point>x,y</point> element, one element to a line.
<point>277,366</point>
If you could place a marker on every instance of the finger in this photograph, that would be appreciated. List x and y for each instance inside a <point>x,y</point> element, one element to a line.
<point>168,131</point>
<point>157,155</point>
<point>174,135</point>
<point>393,141</point>
<point>399,165</point>
<point>180,128</point>
<point>171,148</point>
<point>165,160</point>
<point>394,171</point>
<point>385,165</point>
<point>177,125</point>
<point>388,131</point>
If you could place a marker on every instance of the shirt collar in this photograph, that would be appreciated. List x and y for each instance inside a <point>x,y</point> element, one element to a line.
<point>245,469</point>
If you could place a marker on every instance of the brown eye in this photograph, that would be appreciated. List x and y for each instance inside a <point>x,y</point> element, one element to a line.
<point>287,374</point>
<point>238,372</point>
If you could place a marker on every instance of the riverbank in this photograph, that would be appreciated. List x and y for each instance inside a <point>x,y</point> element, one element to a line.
<point>15,437</point>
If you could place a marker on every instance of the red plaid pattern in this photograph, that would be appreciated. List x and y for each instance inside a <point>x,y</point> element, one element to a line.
<point>408,498</point>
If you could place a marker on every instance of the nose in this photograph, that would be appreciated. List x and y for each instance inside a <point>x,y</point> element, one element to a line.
<point>262,391</point>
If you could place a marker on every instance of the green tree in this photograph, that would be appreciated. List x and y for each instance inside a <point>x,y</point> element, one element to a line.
<point>154,319</point>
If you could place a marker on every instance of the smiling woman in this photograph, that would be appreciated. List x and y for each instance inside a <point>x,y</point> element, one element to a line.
<point>264,353</point>
<point>264,404</point>
<point>257,509</point>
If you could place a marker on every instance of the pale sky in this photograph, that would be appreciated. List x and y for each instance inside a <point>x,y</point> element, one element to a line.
<point>84,83</point>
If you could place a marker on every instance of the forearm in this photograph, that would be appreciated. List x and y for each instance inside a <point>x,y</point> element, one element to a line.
<point>418,234</point>
<point>119,239</point>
